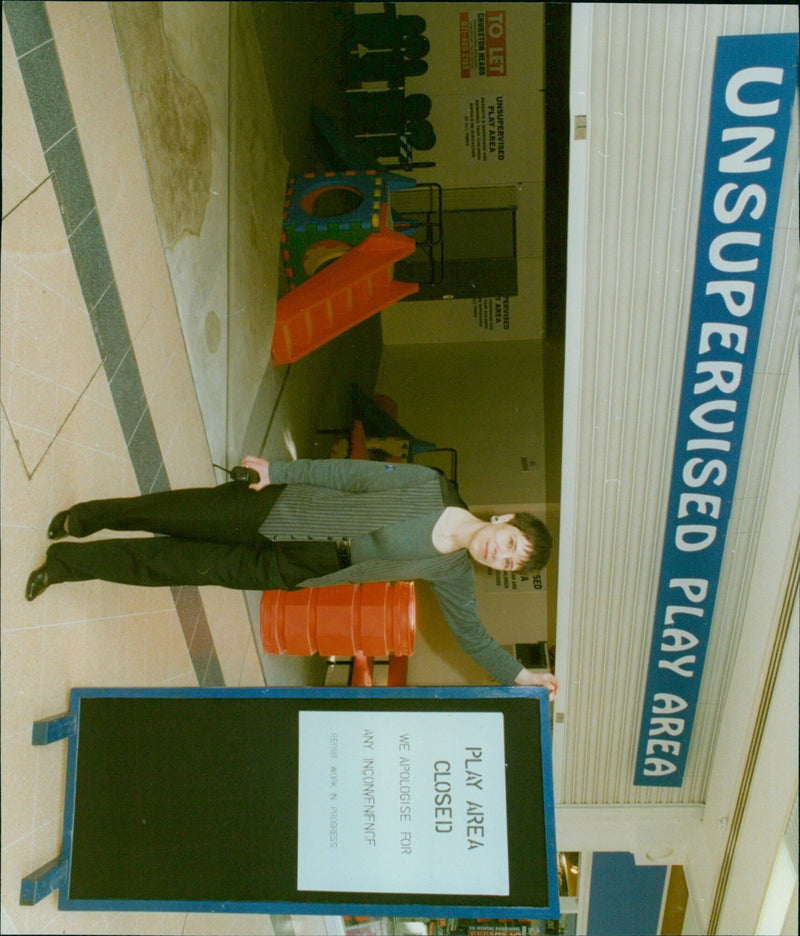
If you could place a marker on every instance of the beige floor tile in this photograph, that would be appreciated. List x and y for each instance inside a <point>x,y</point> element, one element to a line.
<point>64,605</point>
<point>156,600</point>
<point>158,924</point>
<point>204,924</point>
<point>230,627</point>
<point>34,237</point>
<point>13,477</point>
<point>31,444</point>
<point>99,926</point>
<point>18,793</point>
<point>106,600</point>
<point>184,444</point>
<point>32,410</point>
<point>51,776</point>
<point>102,666</point>
<point>166,656</point>
<point>81,364</point>
<point>37,317</point>
<point>228,924</point>
<point>32,499</point>
<point>21,655</point>
<point>62,654</point>
<point>86,473</point>
<point>162,310</point>
<point>71,22</point>
<point>17,862</point>
<point>99,391</point>
<point>46,840</point>
<point>251,924</point>
<point>34,323</point>
<point>49,352</point>
<point>252,673</point>
<point>120,187</point>
<point>110,475</point>
<point>61,605</point>
<point>307,925</point>
<point>89,58</point>
<point>186,455</point>
<point>109,601</point>
<point>32,398</point>
<point>82,921</point>
<point>185,680</point>
<point>174,409</point>
<point>92,425</point>
<point>9,289</point>
<point>16,183</point>
<point>142,296</point>
<point>129,647</point>
<point>45,917</point>
<point>232,640</point>
<point>161,356</point>
<point>18,496</point>
<point>21,148</point>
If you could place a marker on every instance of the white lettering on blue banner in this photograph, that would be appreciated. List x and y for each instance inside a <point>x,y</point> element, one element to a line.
<point>755,79</point>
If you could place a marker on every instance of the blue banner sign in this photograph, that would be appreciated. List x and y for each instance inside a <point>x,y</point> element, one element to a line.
<point>755,79</point>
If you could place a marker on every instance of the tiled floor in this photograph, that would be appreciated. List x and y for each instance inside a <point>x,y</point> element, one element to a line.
<point>108,355</point>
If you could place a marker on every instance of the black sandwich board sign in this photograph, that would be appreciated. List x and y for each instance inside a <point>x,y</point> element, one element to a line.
<point>407,802</point>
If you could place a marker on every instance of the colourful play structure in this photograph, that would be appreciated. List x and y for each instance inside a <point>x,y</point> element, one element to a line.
<point>340,240</point>
<point>326,214</point>
<point>338,250</point>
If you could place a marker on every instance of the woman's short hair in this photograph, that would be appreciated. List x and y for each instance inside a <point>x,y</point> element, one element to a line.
<point>538,536</point>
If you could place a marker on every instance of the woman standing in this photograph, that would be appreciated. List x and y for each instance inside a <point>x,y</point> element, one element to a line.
<point>308,523</point>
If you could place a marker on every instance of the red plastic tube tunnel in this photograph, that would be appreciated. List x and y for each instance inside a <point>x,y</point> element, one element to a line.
<point>376,619</point>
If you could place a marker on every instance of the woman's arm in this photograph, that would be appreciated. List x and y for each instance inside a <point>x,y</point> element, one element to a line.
<point>455,594</point>
<point>339,474</point>
<point>530,678</point>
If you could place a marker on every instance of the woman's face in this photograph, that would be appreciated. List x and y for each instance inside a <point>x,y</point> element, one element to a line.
<point>500,545</point>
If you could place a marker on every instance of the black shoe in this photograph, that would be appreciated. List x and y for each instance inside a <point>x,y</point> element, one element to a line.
<point>37,582</point>
<point>58,526</point>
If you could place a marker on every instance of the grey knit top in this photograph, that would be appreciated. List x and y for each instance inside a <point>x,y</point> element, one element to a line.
<point>388,511</point>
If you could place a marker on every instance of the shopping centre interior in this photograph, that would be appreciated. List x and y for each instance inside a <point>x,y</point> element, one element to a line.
<point>146,153</point>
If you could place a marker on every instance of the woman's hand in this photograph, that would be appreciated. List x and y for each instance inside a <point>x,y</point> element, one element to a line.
<point>530,678</point>
<point>261,468</point>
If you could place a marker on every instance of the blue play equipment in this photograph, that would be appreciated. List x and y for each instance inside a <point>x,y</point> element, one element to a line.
<point>325,214</point>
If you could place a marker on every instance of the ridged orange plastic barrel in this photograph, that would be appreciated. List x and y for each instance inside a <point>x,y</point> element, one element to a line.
<point>376,618</point>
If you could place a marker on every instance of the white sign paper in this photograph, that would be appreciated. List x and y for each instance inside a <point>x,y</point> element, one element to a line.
<point>402,802</point>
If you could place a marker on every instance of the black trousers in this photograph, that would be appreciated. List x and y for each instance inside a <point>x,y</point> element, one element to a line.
<point>207,536</point>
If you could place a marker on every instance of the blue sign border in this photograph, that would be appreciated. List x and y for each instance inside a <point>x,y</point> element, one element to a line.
<point>753,91</point>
